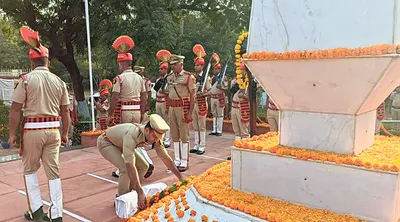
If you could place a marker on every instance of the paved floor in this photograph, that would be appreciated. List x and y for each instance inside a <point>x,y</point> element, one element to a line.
<point>88,187</point>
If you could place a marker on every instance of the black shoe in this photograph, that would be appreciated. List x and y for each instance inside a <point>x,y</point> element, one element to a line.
<point>149,171</point>
<point>218,134</point>
<point>199,152</point>
<point>193,151</point>
<point>212,134</point>
<point>38,215</point>
<point>183,169</point>
<point>58,219</point>
<point>166,145</point>
<point>115,175</point>
<point>229,158</point>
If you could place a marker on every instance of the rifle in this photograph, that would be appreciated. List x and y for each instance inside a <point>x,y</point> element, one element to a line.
<point>223,73</point>
<point>205,77</point>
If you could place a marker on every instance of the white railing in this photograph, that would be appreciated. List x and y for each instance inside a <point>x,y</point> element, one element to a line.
<point>13,71</point>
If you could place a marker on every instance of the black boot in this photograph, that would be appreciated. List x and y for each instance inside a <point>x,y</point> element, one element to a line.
<point>229,158</point>
<point>218,134</point>
<point>149,171</point>
<point>212,134</point>
<point>114,174</point>
<point>58,219</point>
<point>38,215</point>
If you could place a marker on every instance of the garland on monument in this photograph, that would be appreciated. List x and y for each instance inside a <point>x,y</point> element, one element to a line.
<point>243,84</point>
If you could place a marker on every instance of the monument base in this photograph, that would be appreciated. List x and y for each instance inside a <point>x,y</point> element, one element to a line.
<point>339,133</point>
<point>367,194</point>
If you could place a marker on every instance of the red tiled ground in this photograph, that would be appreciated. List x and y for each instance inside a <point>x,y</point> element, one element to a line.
<point>89,197</point>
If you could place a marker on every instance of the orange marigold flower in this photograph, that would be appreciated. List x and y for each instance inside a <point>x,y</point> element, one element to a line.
<point>193,213</point>
<point>167,214</point>
<point>180,213</point>
<point>394,168</point>
<point>263,215</point>
<point>358,162</point>
<point>191,220</point>
<point>204,218</point>
<point>271,216</point>
<point>247,209</point>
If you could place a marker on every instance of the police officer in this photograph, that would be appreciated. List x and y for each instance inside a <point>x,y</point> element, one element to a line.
<point>240,112</point>
<point>45,97</point>
<point>118,145</point>
<point>181,96</point>
<point>218,100</point>
<point>201,107</point>
<point>128,99</point>
<point>160,88</point>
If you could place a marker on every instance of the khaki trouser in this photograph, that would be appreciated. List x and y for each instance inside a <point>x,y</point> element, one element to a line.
<point>273,119</point>
<point>199,122</point>
<point>241,129</point>
<point>160,110</point>
<point>130,117</point>
<point>114,156</point>
<point>216,110</point>
<point>395,114</point>
<point>179,129</point>
<point>41,145</point>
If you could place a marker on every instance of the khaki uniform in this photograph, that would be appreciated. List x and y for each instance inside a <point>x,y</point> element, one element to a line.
<point>130,85</point>
<point>118,144</point>
<point>43,93</point>
<point>396,105</point>
<point>179,87</point>
<point>272,116</point>
<point>161,109</point>
<point>238,115</point>
<point>218,102</point>
<point>147,86</point>
<point>102,116</point>
<point>199,121</point>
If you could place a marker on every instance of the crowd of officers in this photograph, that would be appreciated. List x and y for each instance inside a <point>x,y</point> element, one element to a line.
<point>182,99</point>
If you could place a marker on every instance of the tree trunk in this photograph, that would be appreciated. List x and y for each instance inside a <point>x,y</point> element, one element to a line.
<point>69,62</point>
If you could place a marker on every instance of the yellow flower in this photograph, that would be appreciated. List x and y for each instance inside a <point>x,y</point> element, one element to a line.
<point>237,46</point>
<point>239,42</point>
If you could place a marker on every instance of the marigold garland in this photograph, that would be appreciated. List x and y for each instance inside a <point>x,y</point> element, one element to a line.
<point>92,133</point>
<point>243,84</point>
<point>214,185</point>
<point>383,155</point>
<point>380,49</point>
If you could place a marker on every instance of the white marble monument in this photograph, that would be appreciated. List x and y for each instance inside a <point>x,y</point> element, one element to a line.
<point>326,104</point>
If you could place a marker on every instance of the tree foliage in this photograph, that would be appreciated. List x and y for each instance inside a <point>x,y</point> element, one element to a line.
<point>175,25</point>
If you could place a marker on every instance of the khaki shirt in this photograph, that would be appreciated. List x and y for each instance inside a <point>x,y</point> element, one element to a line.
<point>132,86</point>
<point>184,83</point>
<point>236,97</point>
<point>105,106</point>
<point>147,84</point>
<point>215,90</point>
<point>127,136</point>
<point>43,94</point>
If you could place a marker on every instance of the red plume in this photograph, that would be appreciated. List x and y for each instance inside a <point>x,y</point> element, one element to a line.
<point>123,44</point>
<point>105,84</point>
<point>31,37</point>
<point>163,55</point>
<point>199,51</point>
